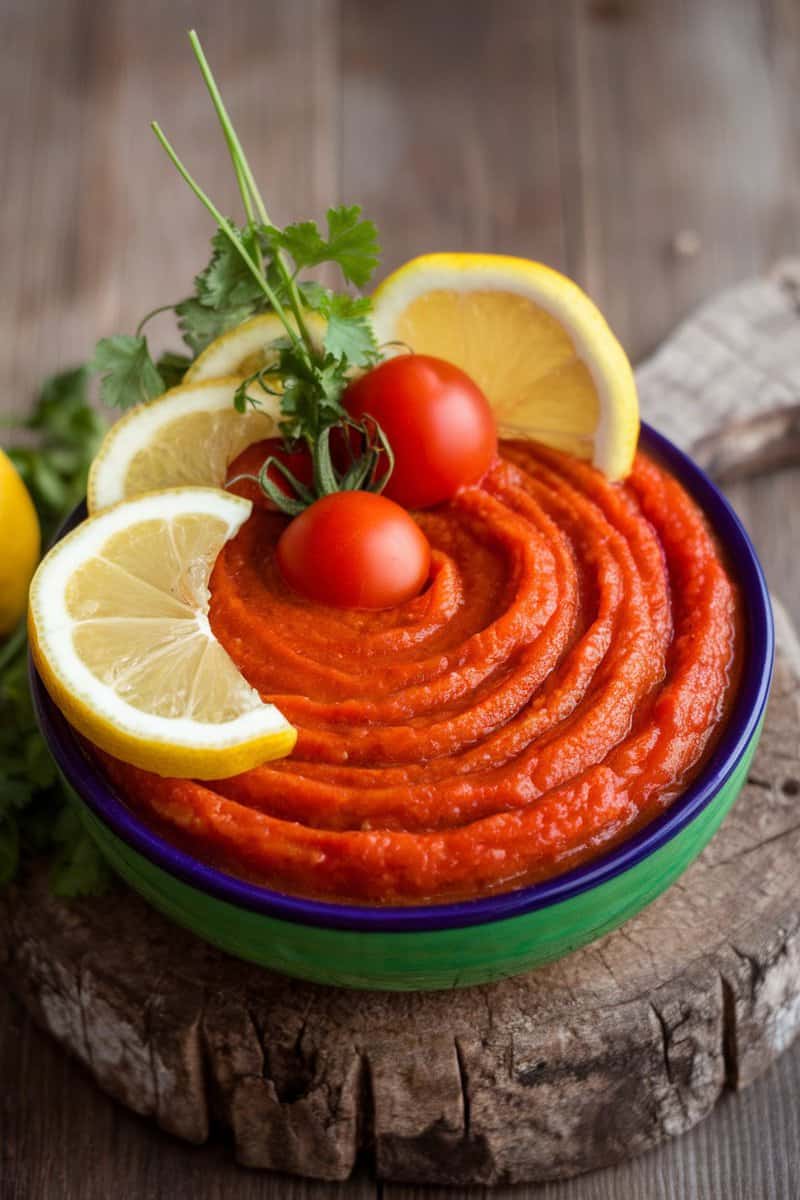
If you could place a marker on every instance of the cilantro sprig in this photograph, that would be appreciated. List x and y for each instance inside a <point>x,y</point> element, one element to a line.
<point>254,268</point>
<point>63,435</point>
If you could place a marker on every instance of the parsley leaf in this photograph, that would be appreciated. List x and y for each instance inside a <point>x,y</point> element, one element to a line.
<point>226,293</point>
<point>303,241</point>
<point>349,334</point>
<point>227,282</point>
<point>352,243</point>
<point>305,406</point>
<point>128,374</point>
<point>313,294</point>
<point>200,324</point>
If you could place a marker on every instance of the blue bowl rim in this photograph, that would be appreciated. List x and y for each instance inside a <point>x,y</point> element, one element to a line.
<point>748,708</point>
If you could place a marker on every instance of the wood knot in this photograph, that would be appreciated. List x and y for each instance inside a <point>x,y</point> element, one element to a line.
<point>686,243</point>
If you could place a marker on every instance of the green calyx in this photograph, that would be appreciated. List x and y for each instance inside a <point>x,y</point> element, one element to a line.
<point>367,469</point>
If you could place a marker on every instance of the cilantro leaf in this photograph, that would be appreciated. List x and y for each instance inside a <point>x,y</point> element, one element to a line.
<point>332,380</point>
<point>352,243</point>
<point>313,294</point>
<point>227,282</point>
<point>303,241</point>
<point>200,324</point>
<point>226,293</point>
<point>349,333</point>
<point>312,391</point>
<point>128,374</point>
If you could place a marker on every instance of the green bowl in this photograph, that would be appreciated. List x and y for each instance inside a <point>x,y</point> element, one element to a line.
<point>444,945</point>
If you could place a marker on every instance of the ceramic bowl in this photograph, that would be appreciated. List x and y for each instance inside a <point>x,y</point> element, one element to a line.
<point>457,944</point>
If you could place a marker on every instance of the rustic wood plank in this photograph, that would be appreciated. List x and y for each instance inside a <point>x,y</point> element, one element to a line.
<point>686,116</point>
<point>450,126</point>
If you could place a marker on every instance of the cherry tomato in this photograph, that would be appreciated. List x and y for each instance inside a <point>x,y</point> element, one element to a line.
<point>251,460</point>
<point>354,550</point>
<point>438,423</point>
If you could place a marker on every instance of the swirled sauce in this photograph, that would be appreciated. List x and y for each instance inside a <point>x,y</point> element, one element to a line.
<point>560,681</point>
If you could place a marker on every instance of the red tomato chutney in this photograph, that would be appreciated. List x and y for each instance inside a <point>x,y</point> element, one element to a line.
<point>558,683</point>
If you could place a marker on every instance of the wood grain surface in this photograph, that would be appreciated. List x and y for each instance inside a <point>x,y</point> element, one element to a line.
<point>649,149</point>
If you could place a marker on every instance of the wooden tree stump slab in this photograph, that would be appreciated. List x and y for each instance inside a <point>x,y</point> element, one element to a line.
<point>577,1065</point>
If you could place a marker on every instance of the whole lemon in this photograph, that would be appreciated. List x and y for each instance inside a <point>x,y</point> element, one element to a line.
<point>20,545</point>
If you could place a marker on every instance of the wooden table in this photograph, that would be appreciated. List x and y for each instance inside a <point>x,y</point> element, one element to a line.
<point>648,149</point>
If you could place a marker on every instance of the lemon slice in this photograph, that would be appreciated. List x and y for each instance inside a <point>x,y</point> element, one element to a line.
<point>186,437</point>
<point>19,544</point>
<point>119,632</point>
<point>530,338</point>
<point>245,349</point>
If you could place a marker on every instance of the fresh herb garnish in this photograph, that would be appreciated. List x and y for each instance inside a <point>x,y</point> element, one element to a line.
<point>352,244</point>
<point>126,370</point>
<point>35,815</point>
<point>255,268</point>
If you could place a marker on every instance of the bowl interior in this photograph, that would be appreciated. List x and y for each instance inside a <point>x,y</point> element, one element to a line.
<point>748,707</point>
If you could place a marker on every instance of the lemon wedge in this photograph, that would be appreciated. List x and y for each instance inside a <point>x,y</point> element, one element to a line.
<point>20,543</point>
<point>119,631</point>
<point>245,349</point>
<point>530,338</point>
<point>187,437</point>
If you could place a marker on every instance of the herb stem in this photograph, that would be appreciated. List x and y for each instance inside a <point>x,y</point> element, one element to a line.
<point>247,184</point>
<point>244,176</point>
<point>153,313</point>
<point>294,300</point>
<point>243,189</point>
<point>226,228</point>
